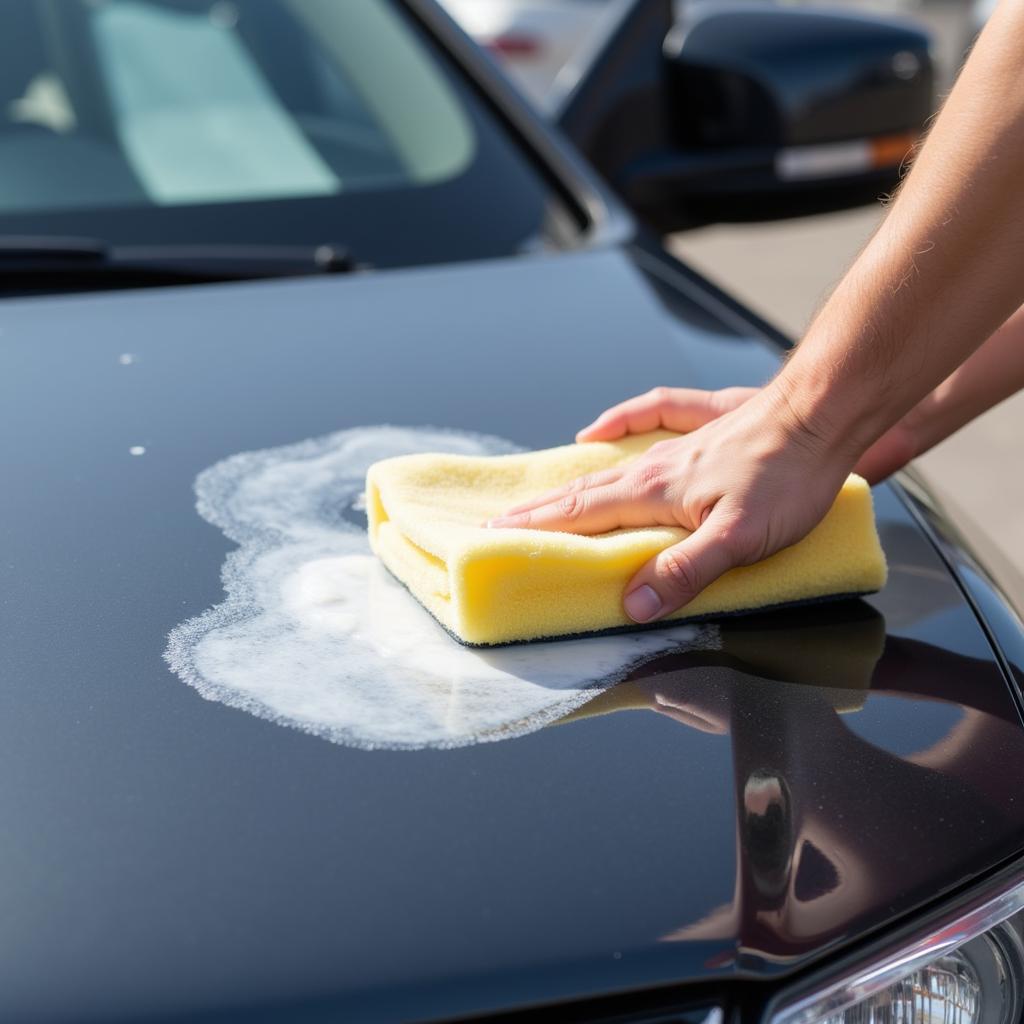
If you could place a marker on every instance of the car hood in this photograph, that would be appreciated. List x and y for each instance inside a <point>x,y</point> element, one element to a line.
<point>735,810</point>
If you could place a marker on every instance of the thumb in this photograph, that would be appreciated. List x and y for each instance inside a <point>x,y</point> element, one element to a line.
<point>678,409</point>
<point>675,576</point>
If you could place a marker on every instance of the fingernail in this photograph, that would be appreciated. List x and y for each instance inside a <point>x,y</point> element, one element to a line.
<point>642,604</point>
<point>498,522</point>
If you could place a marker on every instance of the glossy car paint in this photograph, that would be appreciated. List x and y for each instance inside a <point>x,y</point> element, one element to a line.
<point>753,809</point>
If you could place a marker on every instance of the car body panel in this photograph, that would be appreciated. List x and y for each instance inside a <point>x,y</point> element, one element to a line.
<point>821,774</point>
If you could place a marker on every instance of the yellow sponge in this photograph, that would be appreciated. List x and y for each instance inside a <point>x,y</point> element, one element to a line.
<point>499,586</point>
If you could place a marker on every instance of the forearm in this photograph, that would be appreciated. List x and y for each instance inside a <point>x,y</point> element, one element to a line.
<point>993,373</point>
<point>940,275</point>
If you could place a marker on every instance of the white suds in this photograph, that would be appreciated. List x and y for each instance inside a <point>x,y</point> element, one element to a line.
<point>316,635</point>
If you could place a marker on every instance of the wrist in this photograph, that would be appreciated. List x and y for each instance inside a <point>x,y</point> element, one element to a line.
<point>920,426</point>
<point>940,413</point>
<point>812,417</point>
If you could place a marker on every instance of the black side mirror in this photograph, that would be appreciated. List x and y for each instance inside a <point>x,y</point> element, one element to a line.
<point>750,111</point>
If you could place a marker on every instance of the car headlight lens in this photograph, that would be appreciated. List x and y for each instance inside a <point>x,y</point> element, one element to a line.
<point>979,983</point>
<point>969,969</point>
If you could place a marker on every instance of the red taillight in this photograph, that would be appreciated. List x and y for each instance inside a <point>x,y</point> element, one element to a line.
<point>514,45</point>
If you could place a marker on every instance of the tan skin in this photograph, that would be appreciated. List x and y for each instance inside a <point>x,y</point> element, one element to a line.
<point>992,374</point>
<point>919,336</point>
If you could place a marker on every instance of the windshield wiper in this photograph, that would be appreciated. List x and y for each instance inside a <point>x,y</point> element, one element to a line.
<point>45,262</point>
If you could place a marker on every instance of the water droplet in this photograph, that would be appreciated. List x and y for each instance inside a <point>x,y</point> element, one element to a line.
<point>137,449</point>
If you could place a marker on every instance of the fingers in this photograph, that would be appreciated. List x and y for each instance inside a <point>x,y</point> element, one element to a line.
<point>678,409</point>
<point>607,476</point>
<point>595,510</point>
<point>672,408</point>
<point>678,574</point>
<point>686,714</point>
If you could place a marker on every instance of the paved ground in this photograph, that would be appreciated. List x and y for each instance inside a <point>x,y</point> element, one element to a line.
<point>784,270</point>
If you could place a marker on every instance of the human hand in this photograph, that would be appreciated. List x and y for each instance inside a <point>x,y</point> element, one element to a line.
<point>747,483</point>
<point>685,409</point>
<point>678,409</point>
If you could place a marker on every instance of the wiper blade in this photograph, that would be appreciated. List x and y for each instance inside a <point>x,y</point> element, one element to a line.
<point>14,248</point>
<point>326,258</point>
<point>44,258</point>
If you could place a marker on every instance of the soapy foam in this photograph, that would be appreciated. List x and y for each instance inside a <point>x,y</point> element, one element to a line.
<point>316,635</point>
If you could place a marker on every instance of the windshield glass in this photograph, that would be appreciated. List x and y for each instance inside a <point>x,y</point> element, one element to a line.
<point>144,122</point>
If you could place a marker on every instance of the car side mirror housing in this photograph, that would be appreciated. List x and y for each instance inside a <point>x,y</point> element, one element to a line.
<point>750,110</point>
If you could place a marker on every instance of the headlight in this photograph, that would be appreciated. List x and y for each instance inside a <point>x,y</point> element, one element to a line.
<point>968,969</point>
<point>979,983</point>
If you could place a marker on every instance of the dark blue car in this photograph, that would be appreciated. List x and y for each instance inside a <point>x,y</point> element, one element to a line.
<point>246,247</point>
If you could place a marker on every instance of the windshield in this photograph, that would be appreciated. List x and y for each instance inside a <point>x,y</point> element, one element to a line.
<point>297,122</point>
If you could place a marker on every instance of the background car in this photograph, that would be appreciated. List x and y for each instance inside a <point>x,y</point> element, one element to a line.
<point>539,40</point>
<point>535,39</point>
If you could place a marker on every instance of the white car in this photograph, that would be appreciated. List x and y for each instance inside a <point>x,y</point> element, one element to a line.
<point>535,39</point>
